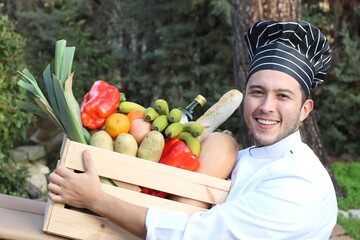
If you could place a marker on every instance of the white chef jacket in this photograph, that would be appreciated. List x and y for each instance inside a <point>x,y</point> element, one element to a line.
<point>281,191</point>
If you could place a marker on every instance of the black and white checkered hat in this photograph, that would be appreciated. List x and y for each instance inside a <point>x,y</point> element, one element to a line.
<point>295,47</point>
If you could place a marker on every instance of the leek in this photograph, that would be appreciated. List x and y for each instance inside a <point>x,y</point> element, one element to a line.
<point>59,105</point>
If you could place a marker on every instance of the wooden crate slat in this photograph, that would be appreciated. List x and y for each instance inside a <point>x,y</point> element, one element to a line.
<point>79,225</point>
<point>50,208</point>
<point>149,174</point>
<point>75,149</point>
<point>149,201</point>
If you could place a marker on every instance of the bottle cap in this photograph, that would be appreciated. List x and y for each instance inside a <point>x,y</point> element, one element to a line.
<point>201,100</point>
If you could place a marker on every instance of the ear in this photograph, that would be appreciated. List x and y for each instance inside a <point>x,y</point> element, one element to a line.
<point>306,108</point>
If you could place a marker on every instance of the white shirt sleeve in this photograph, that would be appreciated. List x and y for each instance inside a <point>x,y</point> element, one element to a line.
<point>267,212</point>
<point>176,225</point>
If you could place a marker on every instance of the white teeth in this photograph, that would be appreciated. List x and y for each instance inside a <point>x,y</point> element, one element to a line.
<point>267,122</point>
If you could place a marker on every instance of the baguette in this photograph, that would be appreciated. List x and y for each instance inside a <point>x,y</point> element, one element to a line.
<point>219,112</point>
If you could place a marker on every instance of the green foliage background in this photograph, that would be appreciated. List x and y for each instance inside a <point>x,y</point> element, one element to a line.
<point>337,101</point>
<point>348,178</point>
<point>173,50</point>
<point>340,101</point>
<point>13,121</point>
<point>81,23</point>
<point>182,48</point>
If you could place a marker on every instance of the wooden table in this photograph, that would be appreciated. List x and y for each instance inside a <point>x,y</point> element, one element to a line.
<point>22,218</point>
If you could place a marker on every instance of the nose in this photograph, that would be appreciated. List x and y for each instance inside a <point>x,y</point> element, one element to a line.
<point>267,104</point>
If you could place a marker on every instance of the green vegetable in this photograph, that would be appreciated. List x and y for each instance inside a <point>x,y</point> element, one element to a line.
<point>60,106</point>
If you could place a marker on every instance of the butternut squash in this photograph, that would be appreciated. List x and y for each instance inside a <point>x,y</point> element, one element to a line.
<point>217,159</point>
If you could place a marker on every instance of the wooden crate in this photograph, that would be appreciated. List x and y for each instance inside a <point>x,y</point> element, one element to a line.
<point>69,222</point>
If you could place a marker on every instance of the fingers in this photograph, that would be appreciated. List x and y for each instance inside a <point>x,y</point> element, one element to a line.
<point>54,188</point>
<point>56,178</point>
<point>62,171</point>
<point>55,197</point>
<point>88,163</point>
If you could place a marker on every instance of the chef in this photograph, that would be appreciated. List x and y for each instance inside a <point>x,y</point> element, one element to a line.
<point>280,188</point>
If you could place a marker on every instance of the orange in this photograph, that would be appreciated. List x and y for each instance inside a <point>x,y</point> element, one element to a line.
<point>135,114</point>
<point>116,124</point>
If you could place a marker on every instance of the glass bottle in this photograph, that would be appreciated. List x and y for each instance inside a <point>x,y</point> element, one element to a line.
<point>192,109</point>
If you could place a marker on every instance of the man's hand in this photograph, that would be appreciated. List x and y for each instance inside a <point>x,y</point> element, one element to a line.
<point>83,190</point>
<point>79,190</point>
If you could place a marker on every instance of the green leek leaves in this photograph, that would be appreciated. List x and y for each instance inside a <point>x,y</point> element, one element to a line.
<point>59,105</point>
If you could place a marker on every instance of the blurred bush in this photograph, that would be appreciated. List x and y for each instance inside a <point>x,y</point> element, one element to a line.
<point>13,121</point>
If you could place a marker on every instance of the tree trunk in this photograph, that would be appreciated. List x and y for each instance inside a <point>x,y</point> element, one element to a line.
<point>241,20</point>
<point>244,14</point>
<point>310,134</point>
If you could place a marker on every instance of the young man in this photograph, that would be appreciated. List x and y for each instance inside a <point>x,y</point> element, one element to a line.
<point>280,189</point>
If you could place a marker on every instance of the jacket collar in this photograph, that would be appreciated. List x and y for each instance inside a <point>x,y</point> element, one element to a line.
<point>278,149</point>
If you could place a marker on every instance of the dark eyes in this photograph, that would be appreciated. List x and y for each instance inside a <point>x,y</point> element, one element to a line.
<point>259,93</point>
<point>256,92</point>
<point>282,95</point>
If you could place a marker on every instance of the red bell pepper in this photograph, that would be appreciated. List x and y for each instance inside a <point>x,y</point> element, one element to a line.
<point>100,102</point>
<point>177,154</point>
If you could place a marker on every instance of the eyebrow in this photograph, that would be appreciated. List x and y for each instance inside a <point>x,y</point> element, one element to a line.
<point>277,90</point>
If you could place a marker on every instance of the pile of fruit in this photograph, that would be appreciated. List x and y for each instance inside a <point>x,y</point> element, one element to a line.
<point>135,130</point>
<point>153,133</point>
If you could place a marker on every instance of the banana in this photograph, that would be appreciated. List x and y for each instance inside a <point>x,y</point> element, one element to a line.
<point>150,114</point>
<point>173,129</point>
<point>175,115</point>
<point>126,107</point>
<point>192,142</point>
<point>195,128</point>
<point>161,106</point>
<point>160,123</point>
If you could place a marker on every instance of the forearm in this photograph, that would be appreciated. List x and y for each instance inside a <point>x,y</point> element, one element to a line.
<point>128,216</point>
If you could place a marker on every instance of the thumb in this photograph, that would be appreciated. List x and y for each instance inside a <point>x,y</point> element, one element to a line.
<point>88,163</point>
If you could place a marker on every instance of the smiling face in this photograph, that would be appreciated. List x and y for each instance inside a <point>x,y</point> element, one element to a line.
<point>273,106</point>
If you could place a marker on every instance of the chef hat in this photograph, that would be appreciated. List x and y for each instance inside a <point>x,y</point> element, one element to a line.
<point>295,47</point>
